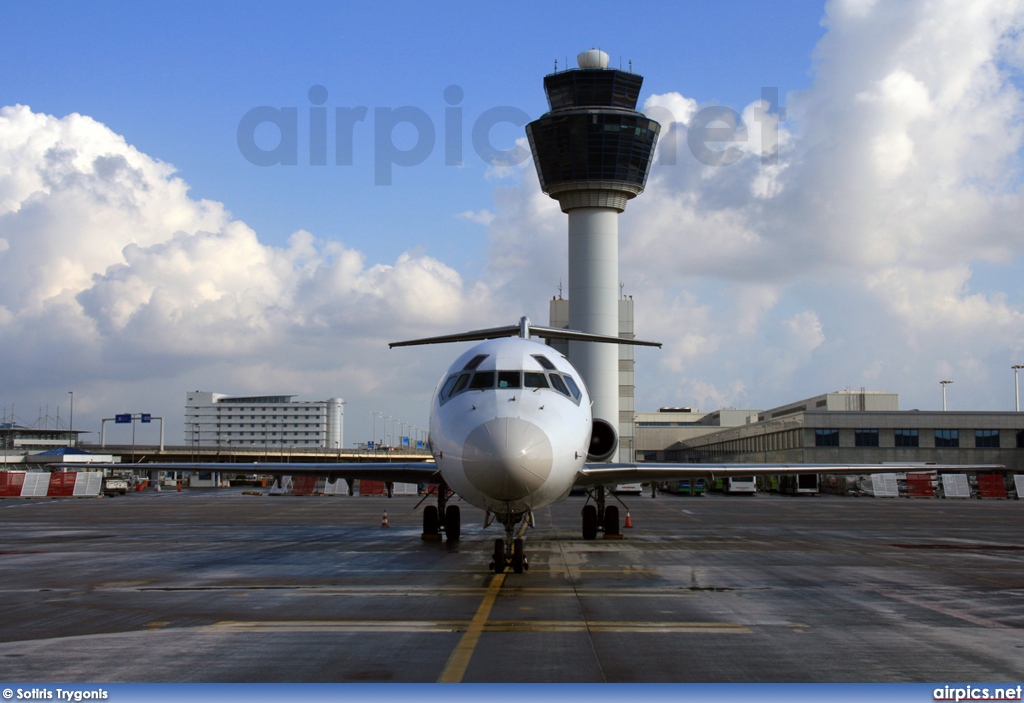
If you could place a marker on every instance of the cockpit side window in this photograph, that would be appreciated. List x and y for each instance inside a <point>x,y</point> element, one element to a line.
<point>446,389</point>
<point>461,384</point>
<point>573,387</point>
<point>455,384</point>
<point>558,384</point>
<point>544,362</point>
<point>475,362</point>
<point>534,379</point>
<point>508,379</point>
<point>482,380</point>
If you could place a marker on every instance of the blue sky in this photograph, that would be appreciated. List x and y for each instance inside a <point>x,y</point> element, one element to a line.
<point>176,79</point>
<point>883,250</point>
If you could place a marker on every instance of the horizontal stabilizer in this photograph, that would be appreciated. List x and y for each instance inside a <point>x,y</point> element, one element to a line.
<point>525,330</point>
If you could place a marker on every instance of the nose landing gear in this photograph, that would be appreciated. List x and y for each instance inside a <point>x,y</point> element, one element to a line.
<point>509,551</point>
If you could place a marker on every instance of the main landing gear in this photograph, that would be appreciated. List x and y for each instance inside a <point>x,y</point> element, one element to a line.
<point>433,524</point>
<point>509,551</point>
<point>598,516</point>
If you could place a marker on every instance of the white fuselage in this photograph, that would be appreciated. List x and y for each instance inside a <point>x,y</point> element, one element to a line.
<point>509,431</point>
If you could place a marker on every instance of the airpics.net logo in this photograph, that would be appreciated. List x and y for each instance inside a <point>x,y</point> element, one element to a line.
<point>978,693</point>
<point>407,136</point>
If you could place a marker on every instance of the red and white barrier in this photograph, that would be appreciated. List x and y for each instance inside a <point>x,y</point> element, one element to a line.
<point>59,484</point>
<point>310,485</point>
<point>884,486</point>
<point>991,486</point>
<point>956,486</point>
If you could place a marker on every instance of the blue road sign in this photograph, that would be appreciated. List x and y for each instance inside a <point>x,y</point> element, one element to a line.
<point>123,418</point>
<point>146,417</point>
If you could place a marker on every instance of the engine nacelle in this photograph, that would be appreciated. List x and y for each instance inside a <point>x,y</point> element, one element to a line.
<point>604,440</point>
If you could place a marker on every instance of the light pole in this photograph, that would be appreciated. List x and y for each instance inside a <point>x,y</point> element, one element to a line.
<point>375,413</point>
<point>71,421</point>
<point>944,384</point>
<point>1016,388</point>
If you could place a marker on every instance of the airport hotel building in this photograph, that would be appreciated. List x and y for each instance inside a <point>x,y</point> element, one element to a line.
<point>270,421</point>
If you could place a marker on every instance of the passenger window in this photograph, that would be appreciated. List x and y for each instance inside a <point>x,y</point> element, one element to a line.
<point>481,380</point>
<point>573,387</point>
<point>461,384</point>
<point>508,379</point>
<point>558,384</point>
<point>534,379</point>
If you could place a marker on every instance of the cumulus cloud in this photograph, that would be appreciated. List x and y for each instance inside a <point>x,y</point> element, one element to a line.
<point>480,217</point>
<point>110,271</point>
<point>842,248</point>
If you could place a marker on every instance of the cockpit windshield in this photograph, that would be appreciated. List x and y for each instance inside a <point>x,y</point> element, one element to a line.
<point>469,380</point>
<point>482,380</point>
<point>534,379</point>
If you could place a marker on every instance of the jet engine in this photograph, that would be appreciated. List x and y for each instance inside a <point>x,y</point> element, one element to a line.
<point>604,440</point>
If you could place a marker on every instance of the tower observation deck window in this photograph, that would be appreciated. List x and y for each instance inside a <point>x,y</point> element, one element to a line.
<point>593,146</point>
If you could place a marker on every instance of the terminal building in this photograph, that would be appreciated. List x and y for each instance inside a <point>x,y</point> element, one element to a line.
<point>858,427</point>
<point>264,421</point>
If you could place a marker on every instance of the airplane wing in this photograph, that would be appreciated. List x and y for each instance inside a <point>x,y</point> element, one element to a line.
<point>408,472</point>
<point>601,474</point>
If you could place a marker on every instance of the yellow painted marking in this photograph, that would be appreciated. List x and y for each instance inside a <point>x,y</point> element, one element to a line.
<point>403,592</point>
<point>615,626</point>
<point>455,669</point>
<point>157,623</point>
<point>341,626</point>
<point>459,660</point>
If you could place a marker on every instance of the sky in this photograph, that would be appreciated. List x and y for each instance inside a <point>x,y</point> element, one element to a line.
<point>159,235</point>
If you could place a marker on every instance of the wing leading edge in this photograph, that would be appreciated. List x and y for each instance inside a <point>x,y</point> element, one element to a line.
<point>410,472</point>
<point>600,474</point>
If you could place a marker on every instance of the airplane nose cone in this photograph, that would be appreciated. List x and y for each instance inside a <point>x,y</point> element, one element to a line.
<point>507,458</point>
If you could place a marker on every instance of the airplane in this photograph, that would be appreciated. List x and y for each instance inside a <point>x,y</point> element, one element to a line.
<point>511,431</point>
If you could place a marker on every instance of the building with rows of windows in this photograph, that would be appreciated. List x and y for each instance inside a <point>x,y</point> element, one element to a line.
<point>861,427</point>
<point>268,421</point>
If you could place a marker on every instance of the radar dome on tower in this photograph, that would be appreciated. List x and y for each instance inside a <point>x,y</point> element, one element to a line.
<point>592,58</point>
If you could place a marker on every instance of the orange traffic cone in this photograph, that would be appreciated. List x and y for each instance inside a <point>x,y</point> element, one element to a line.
<point>384,520</point>
<point>179,486</point>
<point>629,520</point>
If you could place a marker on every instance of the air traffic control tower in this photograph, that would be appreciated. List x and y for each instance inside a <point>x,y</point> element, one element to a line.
<point>593,152</point>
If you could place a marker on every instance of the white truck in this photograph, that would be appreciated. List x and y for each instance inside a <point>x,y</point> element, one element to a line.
<point>115,485</point>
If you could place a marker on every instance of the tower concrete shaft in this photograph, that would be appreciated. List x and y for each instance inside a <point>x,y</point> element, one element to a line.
<point>593,153</point>
<point>594,303</point>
